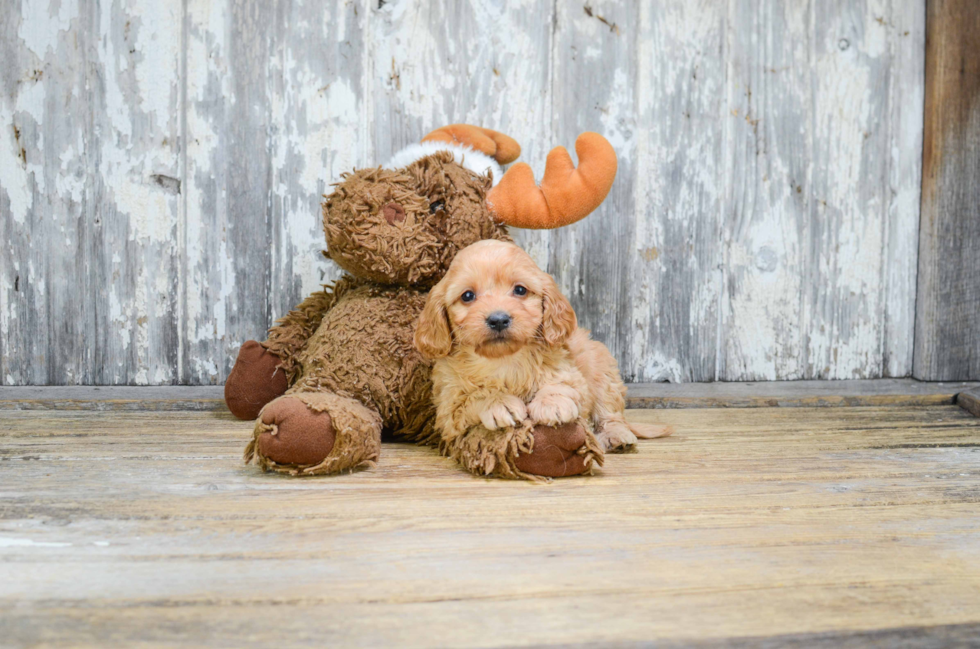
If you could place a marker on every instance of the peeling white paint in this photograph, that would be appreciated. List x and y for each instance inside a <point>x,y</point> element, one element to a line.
<point>116,108</point>
<point>768,176</point>
<point>158,42</point>
<point>30,100</point>
<point>40,30</point>
<point>147,207</point>
<point>13,172</point>
<point>656,367</point>
<point>617,116</point>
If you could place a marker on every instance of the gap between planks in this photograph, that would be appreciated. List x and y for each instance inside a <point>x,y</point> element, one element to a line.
<point>785,394</point>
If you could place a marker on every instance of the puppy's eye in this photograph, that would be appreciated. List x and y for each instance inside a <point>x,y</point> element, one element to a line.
<point>436,206</point>
<point>468,296</point>
<point>520,290</point>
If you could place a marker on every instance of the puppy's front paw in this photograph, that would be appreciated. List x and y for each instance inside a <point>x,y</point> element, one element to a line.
<point>504,412</point>
<point>553,409</point>
<point>616,437</point>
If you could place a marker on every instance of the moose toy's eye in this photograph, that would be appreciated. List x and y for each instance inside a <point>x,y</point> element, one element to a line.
<point>520,290</point>
<point>468,296</point>
<point>435,206</point>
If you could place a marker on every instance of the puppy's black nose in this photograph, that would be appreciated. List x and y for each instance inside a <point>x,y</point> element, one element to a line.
<point>498,321</point>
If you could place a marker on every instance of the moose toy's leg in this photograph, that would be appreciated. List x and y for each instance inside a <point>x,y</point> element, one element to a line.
<point>312,433</point>
<point>255,380</point>
<point>263,370</point>
<point>529,452</point>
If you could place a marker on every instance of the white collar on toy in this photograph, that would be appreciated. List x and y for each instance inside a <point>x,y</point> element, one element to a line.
<point>471,159</point>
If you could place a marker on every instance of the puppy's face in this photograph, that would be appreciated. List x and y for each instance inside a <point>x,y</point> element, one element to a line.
<point>494,300</point>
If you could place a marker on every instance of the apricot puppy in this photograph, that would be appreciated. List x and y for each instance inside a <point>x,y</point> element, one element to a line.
<point>509,352</point>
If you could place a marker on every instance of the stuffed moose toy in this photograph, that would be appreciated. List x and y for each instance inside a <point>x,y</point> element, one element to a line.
<point>341,369</point>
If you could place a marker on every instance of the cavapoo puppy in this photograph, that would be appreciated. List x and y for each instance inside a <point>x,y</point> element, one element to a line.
<point>509,352</point>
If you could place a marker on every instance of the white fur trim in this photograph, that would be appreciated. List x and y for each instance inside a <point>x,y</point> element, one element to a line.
<point>472,159</point>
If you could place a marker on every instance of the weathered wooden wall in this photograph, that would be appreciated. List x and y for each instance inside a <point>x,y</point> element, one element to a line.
<point>161,166</point>
<point>947,324</point>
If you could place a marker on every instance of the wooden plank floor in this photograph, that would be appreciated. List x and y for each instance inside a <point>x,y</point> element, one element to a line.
<point>802,526</point>
<point>764,394</point>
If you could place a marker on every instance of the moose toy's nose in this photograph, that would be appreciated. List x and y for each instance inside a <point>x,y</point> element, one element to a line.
<point>498,321</point>
<point>394,213</point>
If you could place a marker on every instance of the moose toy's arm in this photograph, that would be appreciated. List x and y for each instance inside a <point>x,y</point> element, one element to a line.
<point>289,335</point>
<point>264,371</point>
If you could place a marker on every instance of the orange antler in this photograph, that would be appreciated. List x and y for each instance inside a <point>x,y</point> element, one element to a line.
<point>498,146</point>
<point>566,194</point>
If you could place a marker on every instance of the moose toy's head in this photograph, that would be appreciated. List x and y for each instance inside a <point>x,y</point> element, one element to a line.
<point>404,223</point>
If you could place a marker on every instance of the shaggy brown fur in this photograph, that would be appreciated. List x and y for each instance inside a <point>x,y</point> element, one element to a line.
<point>347,351</point>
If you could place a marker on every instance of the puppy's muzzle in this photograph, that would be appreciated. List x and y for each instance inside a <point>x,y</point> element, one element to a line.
<point>498,321</point>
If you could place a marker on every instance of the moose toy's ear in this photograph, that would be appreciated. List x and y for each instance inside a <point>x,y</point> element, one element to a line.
<point>566,194</point>
<point>498,146</point>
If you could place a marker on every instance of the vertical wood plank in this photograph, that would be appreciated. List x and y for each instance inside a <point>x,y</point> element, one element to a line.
<point>848,187</point>
<point>89,168</point>
<point>947,318</point>
<point>906,90</point>
<point>675,281</point>
<point>207,273</point>
<point>22,306</point>
<point>228,172</point>
<point>768,120</point>
<point>819,231</point>
<point>132,258</point>
<point>245,143</point>
<point>46,54</point>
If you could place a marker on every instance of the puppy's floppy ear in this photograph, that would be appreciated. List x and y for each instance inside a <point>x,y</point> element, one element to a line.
<point>432,335</point>
<point>559,321</point>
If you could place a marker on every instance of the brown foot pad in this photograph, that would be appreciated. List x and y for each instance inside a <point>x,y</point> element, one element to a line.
<point>296,434</point>
<point>555,452</point>
<point>254,381</point>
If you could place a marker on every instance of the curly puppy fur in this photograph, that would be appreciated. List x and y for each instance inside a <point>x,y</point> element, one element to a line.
<point>347,350</point>
<point>511,356</point>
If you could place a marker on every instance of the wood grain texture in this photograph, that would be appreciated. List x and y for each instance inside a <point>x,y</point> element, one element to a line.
<point>969,400</point>
<point>783,394</point>
<point>89,184</point>
<point>795,394</point>
<point>119,528</point>
<point>274,111</point>
<point>228,171</point>
<point>825,144</point>
<point>947,345</point>
<point>931,637</point>
<point>161,175</point>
